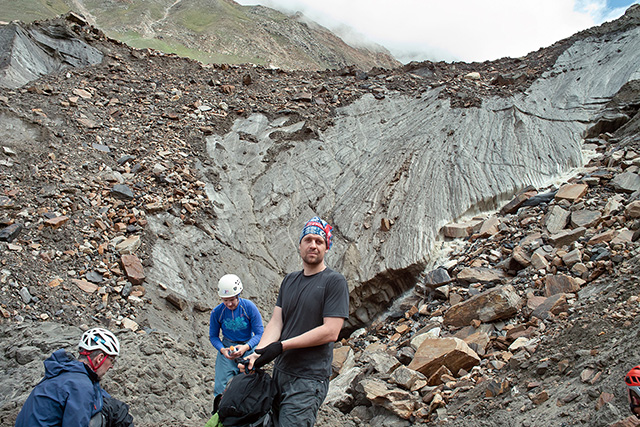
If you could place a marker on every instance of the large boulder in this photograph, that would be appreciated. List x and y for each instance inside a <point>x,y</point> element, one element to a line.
<point>494,304</point>
<point>452,353</point>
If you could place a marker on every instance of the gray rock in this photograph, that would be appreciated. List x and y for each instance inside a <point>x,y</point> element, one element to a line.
<point>35,59</point>
<point>568,236</point>
<point>585,218</point>
<point>627,182</point>
<point>8,234</point>
<point>556,219</point>
<point>27,354</point>
<point>122,191</point>
<point>25,295</point>
<point>94,277</point>
<point>437,277</point>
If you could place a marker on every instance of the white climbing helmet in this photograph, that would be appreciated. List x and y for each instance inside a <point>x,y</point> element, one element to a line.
<point>229,285</point>
<point>99,339</point>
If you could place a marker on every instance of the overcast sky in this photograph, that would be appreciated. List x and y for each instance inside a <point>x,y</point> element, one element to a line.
<point>454,30</point>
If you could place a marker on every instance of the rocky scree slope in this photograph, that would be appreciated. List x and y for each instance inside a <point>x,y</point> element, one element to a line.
<point>530,320</point>
<point>80,142</point>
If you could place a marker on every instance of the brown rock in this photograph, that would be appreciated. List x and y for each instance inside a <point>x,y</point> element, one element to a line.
<point>434,353</point>
<point>521,256</point>
<point>436,378</point>
<point>534,301</point>
<point>57,222</point>
<point>478,342</point>
<point>566,237</point>
<point>587,375</point>
<point>340,356</point>
<point>177,301</point>
<point>228,89</point>
<point>129,245</point>
<point>632,210</point>
<point>88,287</point>
<point>552,306</point>
<point>572,192</point>
<point>520,331</point>
<point>407,378</point>
<point>82,93</point>
<point>489,227</point>
<point>539,398</point>
<point>497,303</point>
<point>517,201</point>
<point>91,124</point>
<point>402,329</point>
<point>496,388</point>
<point>605,236</point>
<point>395,400</point>
<point>482,275</point>
<point>437,402</point>
<point>154,207</point>
<point>130,324</point>
<point>460,230</point>
<point>603,399</point>
<point>303,96</point>
<point>560,284</point>
<point>572,258</point>
<point>133,269</point>
<point>625,236</point>
<point>539,262</point>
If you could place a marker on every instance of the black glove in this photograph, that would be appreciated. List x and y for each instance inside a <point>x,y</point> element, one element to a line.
<point>267,354</point>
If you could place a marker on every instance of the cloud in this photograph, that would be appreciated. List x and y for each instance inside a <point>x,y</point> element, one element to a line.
<point>456,30</point>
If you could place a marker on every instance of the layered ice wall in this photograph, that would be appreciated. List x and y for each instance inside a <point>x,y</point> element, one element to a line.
<point>417,162</point>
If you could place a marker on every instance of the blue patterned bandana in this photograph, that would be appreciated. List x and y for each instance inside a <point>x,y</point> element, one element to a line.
<point>317,226</point>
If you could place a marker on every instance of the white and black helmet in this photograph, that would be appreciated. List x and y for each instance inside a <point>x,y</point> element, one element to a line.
<point>229,285</point>
<point>99,339</point>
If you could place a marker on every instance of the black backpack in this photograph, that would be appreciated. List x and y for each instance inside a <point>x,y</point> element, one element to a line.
<point>246,402</point>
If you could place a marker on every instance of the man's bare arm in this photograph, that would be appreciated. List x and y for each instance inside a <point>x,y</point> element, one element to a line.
<point>327,332</point>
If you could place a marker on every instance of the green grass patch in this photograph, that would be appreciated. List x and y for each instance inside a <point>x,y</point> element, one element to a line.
<point>31,10</point>
<point>168,46</point>
<point>124,14</point>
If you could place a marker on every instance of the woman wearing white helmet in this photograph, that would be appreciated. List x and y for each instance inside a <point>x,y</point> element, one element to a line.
<point>241,325</point>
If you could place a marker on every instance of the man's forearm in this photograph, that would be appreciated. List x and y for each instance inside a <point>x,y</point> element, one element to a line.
<point>271,333</point>
<point>325,333</point>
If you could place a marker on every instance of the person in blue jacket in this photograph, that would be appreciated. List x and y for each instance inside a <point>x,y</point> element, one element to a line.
<point>70,393</point>
<point>241,326</point>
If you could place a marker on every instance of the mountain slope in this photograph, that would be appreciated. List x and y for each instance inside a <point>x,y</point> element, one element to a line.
<point>211,31</point>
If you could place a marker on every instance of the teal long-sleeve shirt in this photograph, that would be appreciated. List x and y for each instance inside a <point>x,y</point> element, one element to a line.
<point>242,325</point>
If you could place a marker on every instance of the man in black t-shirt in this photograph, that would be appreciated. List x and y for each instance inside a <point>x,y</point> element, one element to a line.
<point>311,308</point>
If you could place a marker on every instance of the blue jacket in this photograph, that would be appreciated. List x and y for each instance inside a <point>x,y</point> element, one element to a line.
<point>242,325</point>
<point>68,395</point>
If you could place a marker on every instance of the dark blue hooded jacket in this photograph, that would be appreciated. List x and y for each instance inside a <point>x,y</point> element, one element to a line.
<point>68,395</point>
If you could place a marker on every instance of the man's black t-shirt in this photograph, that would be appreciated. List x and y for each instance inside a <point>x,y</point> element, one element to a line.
<point>305,301</point>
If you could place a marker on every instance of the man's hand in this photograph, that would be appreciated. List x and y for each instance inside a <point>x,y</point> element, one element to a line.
<point>267,354</point>
<point>248,367</point>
